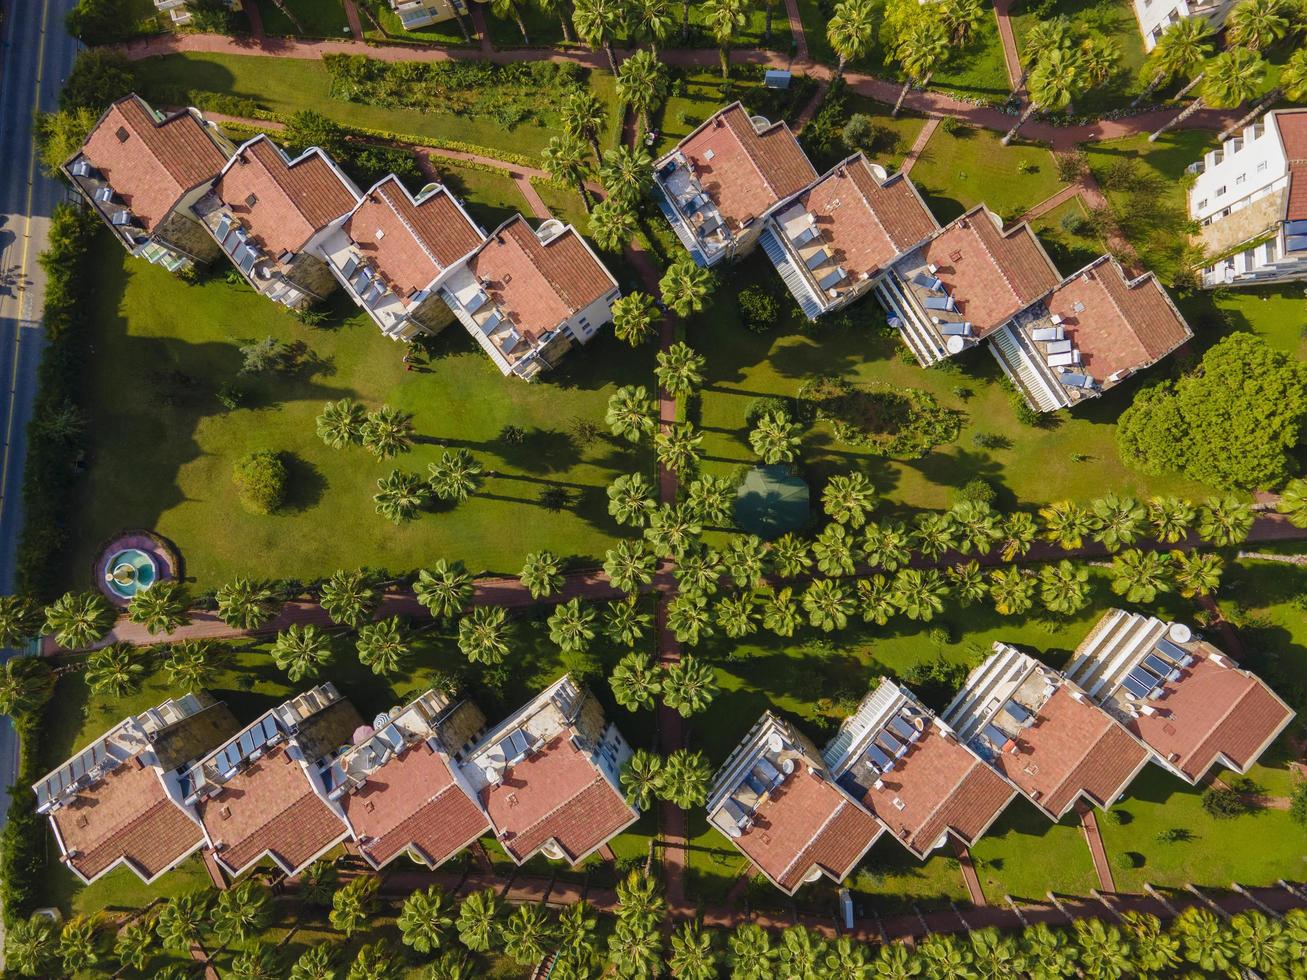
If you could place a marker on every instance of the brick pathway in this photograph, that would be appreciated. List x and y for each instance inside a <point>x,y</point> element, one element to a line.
<point>969,876</point>
<point>796,31</point>
<point>1011,57</point>
<point>477,11</point>
<point>919,146</point>
<point>355,22</point>
<point>255,17</point>
<point>1089,825</point>
<point>1050,203</point>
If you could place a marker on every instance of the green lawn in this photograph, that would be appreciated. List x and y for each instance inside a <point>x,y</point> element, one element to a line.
<point>393,30</point>
<point>318,18</point>
<point>899,133</point>
<point>1069,250</point>
<point>696,95</point>
<point>287,85</point>
<point>890,880</point>
<point>1026,856</point>
<point>490,197</point>
<point>163,459</point>
<point>748,36</point>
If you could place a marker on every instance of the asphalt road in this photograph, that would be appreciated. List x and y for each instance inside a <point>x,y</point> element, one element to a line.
<point>36,57</point>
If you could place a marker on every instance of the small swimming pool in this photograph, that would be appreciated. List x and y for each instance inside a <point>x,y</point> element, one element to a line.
<point>129,571</point>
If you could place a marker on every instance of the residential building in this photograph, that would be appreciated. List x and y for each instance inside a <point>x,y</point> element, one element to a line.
<point>778,803</point>
<point>261,794</point>
<point>400,788</point>
<point>1044,734</point>
<point>269,214</point>
<point>1155,16</point>
<point>549,776</point>
<point>121,799</point>
<point>1183,698</point>
<point>718,185</point>
<point>834,241</point>
<point>911,770</point>
<point>181,14</point>
<point>142,171</point>
<point>423,13</point>
<point>1250,201</point>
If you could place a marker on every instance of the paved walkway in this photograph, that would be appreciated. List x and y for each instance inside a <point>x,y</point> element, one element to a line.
<point>796,31</point>
<point>919,146</point>
<point>1011,56</point>
<point>1102,867</point>
<point>355,22</point>
<point>1051,203</point>
<point>969,876</point>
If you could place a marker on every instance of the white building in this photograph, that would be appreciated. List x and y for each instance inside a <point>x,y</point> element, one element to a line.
<point>1250,199</point>
<point>1155,16</point>
<point>422,13</point>
<point>181,14</point>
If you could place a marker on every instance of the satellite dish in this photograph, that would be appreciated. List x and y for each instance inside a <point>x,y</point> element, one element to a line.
<point>955,344</point>
<point>775,742</point>
<point>1180,633</point>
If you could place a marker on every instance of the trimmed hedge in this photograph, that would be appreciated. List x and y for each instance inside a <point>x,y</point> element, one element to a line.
<point>22,844</point>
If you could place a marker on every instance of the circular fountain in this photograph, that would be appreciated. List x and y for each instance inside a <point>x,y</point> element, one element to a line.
<point>130,571</point>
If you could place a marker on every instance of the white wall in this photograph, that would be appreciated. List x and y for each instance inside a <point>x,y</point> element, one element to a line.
<point>1248,169</point>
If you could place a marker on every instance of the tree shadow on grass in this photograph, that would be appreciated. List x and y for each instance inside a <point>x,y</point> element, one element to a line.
<point>305,484</point>
<point>540,451</point>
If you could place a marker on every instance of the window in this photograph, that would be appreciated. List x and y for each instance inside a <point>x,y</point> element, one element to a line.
<point>1240,179</point>
<point>1202,204</point>
<point>252,200</point>
<point>1220,190</point>
<point>1270,250</point>
<point>1262,165</point>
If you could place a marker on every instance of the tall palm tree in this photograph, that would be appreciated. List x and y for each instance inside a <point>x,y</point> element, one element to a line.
<point>673,529</point>
<point>1064,587</point>
<point>374,961</point>
<point>79,946</point>
<point>685,286</point>
<point>626,621</point>
<point>631,412</point>
<point>737,615</point>
<point>642,86</point>
<point>848,499</point>
<point>635,682</point>
<point>455,476</point>
<point>961,18</point>
<point>1206,941</point>
<point>1048,34</point>
<point>846,960</point>
<point>571,626</point>
<point>1293,84</point>
<point>559,8</point>
<point>790,555</point>
<point>115,670</point>
<point>654,20</point>
<point>353,904</point>
<point>1013,590</point>
<point>1257,24</point>
<point>1293,502</point>
<point>689,618</point>
<point>341,423</point>
<point>640,902</point>
<point>835,550</point>
<point>780,613</point>
<point>426,919</point>
<point>693,956</point>
<point>1141,575</point>
<point>246,604</point>
<point>776,438</point>
<point>261,961</point>
<point>161,608</point>
<point>20,620</point>
<point>134,945</point>
<point>445,588</point>
<point>78,619</point>
<point>388,432</point>
<point>829,604</point>
<point>483,635</point>
<point>242,911</point>
<point>678,447</point>
<point>967,581</point>
<point>886,545</point>
<point>635,950</point>
<point>612,224</point>
<point>1179,53</point>
<point>1170,518</point>
<point>598,22</point>
<point>712,499</point>
<point>30,946</point>
<point>744,558</point>
<point>583,117</point>
<point>1230,79</point>
<point>631,499</point>
<point>697,571</point>
<point>634,317</point>
<point>945,955</point>
<point>975,525</point>
<point>577,927</point>
<point>996,955</point>
<point>504,9</point>
<point>300,649</point>
<point>919,593</point>
<point>1197,573</point>
<point>1225,521</point>
<point>542,574</point>
<point>800,952</point>
<point>1050,952</point>
<point>1118,521</point>
<point>679,369</point>
<point>850,31</point>
<point>400,496</point>
<point>1017,534</point>
<point>316,963</point>
<point>564,161</point>
<point>876,600</point>
<point>1057,78</point>
<point>922,49</point>
<point>724,18</point>
<point>627,171</point>
<point>895,962</point>
<point>630,566</point>
<point>751,955</point>
<point>687,777</point>
<point>479,920</point>
<point>192,664</point>
<point>526,935</point>
<point>349,597</point>
<point>934,534</point>
<point>1263,944</point>
<point>383,646</point>
<point>1066,523</point>
<point>689,686</point>
<point>1100,58</point>
<point>642,778</point>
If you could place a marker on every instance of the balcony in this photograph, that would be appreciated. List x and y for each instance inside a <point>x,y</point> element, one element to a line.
<point>692,214</point>
<point>512,351</point>
<point>368,287</point>
<point>923,310</point>
<point>806,263</point>
<point>1042,362</point>
<point>260,269</point>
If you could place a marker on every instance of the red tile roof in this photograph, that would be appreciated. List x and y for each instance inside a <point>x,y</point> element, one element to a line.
<point>538,286</point>
<point>746,172</point>
<point>1124,326</point>
<point>270,808</point>
<point>1292,126</point>
<point>126,816</point>
<point>1212,711</point>
<point>807,821</point>
<point>1073,747</point>
<point>413,801</point>
<point>991,274</point>
<point>555,794</point>
<point>1295,205</point>
<point>411,244</point>
<point>291,202</point>
<point>151,164</point>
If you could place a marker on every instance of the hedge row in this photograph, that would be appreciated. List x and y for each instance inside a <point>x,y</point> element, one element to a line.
<point>22,843</point>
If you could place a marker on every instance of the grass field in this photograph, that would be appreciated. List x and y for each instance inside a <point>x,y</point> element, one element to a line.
<point>490,198</point>
<point>1026,856</point>
<point>1112,19</point>
<point>318,18</point>
<point>1069,250</point>
<point>393,30</point>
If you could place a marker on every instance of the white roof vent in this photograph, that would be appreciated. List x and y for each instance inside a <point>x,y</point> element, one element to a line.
<point>550,230</point>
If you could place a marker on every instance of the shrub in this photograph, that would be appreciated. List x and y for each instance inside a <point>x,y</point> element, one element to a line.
<point>758,309</point>
<point>977,491</point>
<point>1076,223</point>
<point>1298,803</point>
<point>1127,860</point>
<point>260,479</point>
<point>767,406</point>
<point>1223,804</point>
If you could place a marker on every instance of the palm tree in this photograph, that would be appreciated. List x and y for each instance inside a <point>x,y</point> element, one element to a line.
<point>894,962</point>
<point>635,682</point>
<point>479,920</point>
<point>679,369</point>
<point>426,919</point>
<point>886,545</point>
<point>1231,78</point>
<point>79,619</point>
<point>318,883</point>
<point>341,423</point>
<point>542,574</point>
<point>455,476</point>
<point>678,446</point>
<point>689,686</point>
<point>597,23</point>
<point>1050,952</point>
<point>922,49</point>
<point>115,670</point>
<point>723,18</point>
<point>1013,590</point>
<point>967,581</point>
<point>26,683</point>
<point>1055,80</point>
<point>630,499</point>
<point>353,904</point>
<point>627,171</point>
<point>316,963</point>
<point>242,911</point>
<point>653,20</point>
<point>876,599</point>
<point>1225,521</point>
<point>919,593</point>
<point>850,31</point>
<point>1141,575</point>
<point>564,161</point>
<point>744,559</point>
<point>776,438</point>
<point>1118,521</point>
<point>634,317</point>
<point>1293,83</point>
<point>975,525</point>
<point>1064,587</point>
<point>300,650</point>
<point>933,534</point>
<point>1262,943</point>
<point>1293,502</point>
<point>192,664</point>
<point>1066,523</point>
<point>635,950</point>
<point>503,9</point>
<point>571,626</point>
<point>961,18</point>
<point>800,953</point>
<point>400,495</point>
<point>672,529</point>
<point>1017,534</point>
<point>685,286</point>
<point>526,935</point>
<point>444,589</point>
<point>848,499</point>
<point>625,622</point>
<point>559,9</point>
<point>737,615</point>
<point>828,605</point>
<point>689,618</point>
<point>642,778</point>
<point>751,954</point>
<point>1206,941</point>
<point>79,947</point>
<point>262,961</point>
<point>375,960</point>
<point>712,499</point>
<point>383,646</point>
<point>629,566</point>
<point>846,961</point>
<point>20,620</point>
<point>349,597</point>
<point>642,86</point>
<point>996,955</point>
<point>687,777</point>
<point>483,635</point>
<point>577,926</point>
<point>1100,57</point>
<point>639,901</point>
<point>30,946</point>
<point>134,945</point>
<point>161,608</point>
<point>697,571</point>
<point>583,117</point>
<point>780,613</point>
<point>388,432</point>
<point>693,957</point>
<point>631,412</point>
<point>945,956</point>
<point>1170,517</point>
<point>1048,34</point>
<point>1179,53</point>
<point>790,555</point>
<point>836,551</point>
<point>1257,24</point>
<point>613,224</point>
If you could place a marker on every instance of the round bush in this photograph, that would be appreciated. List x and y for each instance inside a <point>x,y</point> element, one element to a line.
<point>767,406</point>
<point>260,479</point>
<point>758,309</point>
<point>978,491</point>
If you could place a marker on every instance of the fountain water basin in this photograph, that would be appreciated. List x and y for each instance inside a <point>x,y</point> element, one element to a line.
<point>130,571</point>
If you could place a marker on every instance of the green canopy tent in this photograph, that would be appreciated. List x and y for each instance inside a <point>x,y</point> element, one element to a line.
<point>770,501</point>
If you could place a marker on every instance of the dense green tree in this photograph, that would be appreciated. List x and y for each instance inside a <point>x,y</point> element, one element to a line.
<point>597,23</point>
<point>353,904</point>
<point>483,635</point>
<point>583,117</point>
<point>564,160</point>
<point>635,682</point>
<point>134,945</point>
<point>934,534</point>
<point>1017,533</point>
<point>1156,952</point>
<point>1293,502</point>
<point>724,20</point>
<point>642,86</point>
<point>30,946</point>
<point>876,599</point>
<point>1170,518</point>
<point>975,526</point>
<point>161,608</point>
<point>79,619</point>
<point>1105,951</point>
<point>635,951</point>
<point>687,777</point>
<point>801,953</point>
<point>1205,941</point>
<point>967,581</point>
<point>1179,53</point>
<point>1057,78</point>
<point>375,961</point>
<point>613,223</point>
<point>383,646</point>
<point>183,918</point>
<point>261,961</point>
<point>1257,24</point>
<point>922,49</point>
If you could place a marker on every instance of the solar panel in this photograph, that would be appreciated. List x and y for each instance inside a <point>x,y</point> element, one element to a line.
<point>392,737</point>
<point>902,726</point>
<point>1017,711</point>
<point>351,264</point>
<point>878,758</point>
<point>1179,654</point>
<point>996,736</point>
<point>1160,667</point>
<point>1136,687</point>
<point>816,258</point>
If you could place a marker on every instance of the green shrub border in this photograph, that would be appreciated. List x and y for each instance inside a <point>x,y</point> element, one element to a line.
<point>22,844</point>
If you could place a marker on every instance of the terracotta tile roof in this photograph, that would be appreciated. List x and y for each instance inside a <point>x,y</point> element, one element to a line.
<point>557,794</point>
<point>538,286</point>
<point>804,822</point>
<point>270,808</point>
<point>1073,747</point>
<point>413,800</point>
<point>1292,124</point>
<point>746,172</point>
<point>940,785</point>
<point>411,244</point>
<point>991,274</point>
<point>291,202</point>
<point>1122,326</point>
<point>151,164</point>
<point>126,816</point>
<point>1295,204</point>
